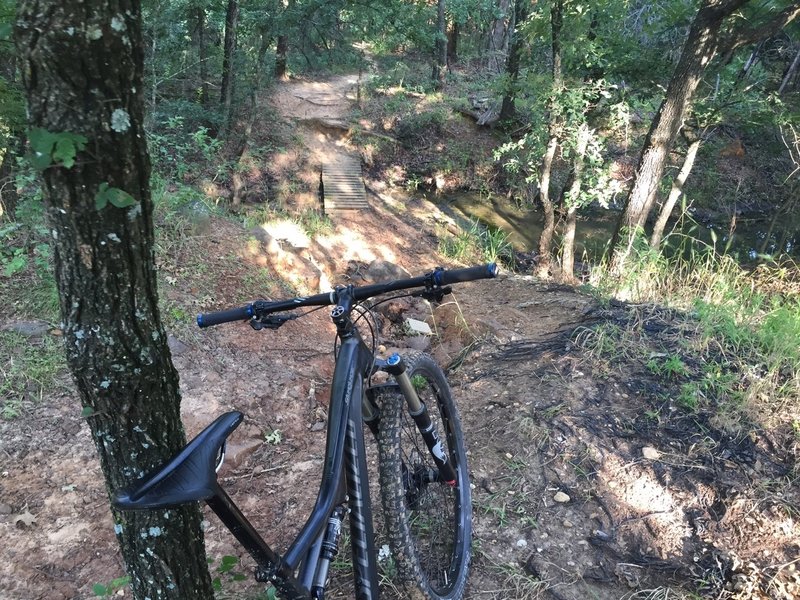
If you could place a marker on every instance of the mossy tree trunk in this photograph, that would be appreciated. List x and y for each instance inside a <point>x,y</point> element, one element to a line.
<point>81,62</point>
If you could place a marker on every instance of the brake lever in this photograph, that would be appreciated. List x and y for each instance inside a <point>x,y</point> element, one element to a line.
<point>271,321</point>
<point>433,294</point>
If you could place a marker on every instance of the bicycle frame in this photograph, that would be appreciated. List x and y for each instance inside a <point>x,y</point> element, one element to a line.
<point>344,480</point>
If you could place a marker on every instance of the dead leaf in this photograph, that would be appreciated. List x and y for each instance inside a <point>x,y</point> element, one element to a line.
<point>25,517</point>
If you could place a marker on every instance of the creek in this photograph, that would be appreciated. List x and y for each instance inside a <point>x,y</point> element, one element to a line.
<point>595,227</point>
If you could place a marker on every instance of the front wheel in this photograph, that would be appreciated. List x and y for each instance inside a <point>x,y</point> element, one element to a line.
<point>429,522</point>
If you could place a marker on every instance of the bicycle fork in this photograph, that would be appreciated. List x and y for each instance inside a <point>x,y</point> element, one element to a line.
<point>396,366</point>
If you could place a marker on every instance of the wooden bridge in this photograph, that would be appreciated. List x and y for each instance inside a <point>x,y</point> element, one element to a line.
<point>342,184</point>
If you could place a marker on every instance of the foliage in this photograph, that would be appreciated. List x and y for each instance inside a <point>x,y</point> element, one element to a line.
<point>478,243</point>
<point>29,369</point>
<point>107,590</point>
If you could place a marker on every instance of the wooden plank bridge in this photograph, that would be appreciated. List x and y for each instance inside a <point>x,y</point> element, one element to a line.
<point>342,184</point>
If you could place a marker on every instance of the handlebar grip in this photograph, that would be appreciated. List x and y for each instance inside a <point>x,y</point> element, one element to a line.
<point>225,316</point>
<point>470,274</point>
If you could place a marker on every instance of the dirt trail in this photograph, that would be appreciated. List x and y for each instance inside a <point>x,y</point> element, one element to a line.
<point>568,501</point>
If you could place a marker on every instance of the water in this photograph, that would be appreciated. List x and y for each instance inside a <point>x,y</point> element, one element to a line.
<point>595,227</point>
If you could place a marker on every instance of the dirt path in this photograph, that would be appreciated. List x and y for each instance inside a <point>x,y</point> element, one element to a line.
<point>587,483</point>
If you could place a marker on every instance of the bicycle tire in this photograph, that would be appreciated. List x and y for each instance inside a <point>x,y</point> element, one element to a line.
<point>431,551</point>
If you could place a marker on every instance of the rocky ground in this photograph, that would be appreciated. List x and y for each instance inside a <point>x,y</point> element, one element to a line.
<point>588,480</point>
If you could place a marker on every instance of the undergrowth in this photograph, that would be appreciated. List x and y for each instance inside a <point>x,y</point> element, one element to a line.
<point>478,243</point>
<point>737,350</point>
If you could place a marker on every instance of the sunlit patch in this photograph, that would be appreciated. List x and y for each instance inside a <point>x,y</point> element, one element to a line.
<point>288,231</point>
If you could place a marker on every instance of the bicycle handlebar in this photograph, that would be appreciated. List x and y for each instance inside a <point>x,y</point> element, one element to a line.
<point>434,279</point>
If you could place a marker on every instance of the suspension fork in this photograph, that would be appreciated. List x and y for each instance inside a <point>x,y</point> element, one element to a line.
<point>396,366</point>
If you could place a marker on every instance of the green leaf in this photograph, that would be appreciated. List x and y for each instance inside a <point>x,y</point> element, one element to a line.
<point>47,147</point>
<point>117,197</point>
<point>98,589</point>
<point>5,30</point>
<point>87,411</point>
<point>65,152</point>
<point>228,562</point>
<point>216,584</point>
<point>67,146</point>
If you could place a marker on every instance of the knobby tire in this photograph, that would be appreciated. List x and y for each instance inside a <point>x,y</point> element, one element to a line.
<point>429,523</point>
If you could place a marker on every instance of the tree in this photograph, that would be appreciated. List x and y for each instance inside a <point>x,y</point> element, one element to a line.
<point>86,118</point>
<point>512,64</point>
<point>226,93</point>
<point>440,60</point>
<point>707,38</point>
<point>554,131</point>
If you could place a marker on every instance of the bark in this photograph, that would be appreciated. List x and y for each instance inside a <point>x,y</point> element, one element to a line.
<point>698,51</point>
<point>281,50</point>
<point>573,204</point>
<point>790,72</point>
<point>704,42</point>
<point>440,62</point>
<point>512,67</point>
<point>8,186</point>
<point>226,90</point>
<point>499,36</point>
<point>200,15</point>
<point>115,343</point>
<point>674,194</point>
<point>554,126</point>
<point>452,43</point>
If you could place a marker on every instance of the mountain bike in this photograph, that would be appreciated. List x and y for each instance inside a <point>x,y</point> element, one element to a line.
<point>424,482</point>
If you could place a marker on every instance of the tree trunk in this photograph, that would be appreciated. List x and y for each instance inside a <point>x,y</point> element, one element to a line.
<point>674,193</point>
<point>573,204</point>
<point>554,127</point>
<point>790,72</point>
<point>8,187</point>
<point>499,37</point>
<point>440,62</point>
<point>452,43</point>
<point>698,51</point>
<point>200,14</point>
<point>226,92</point>
<point>512,68</point>
<point>702,44</point>
<point>115,342</point>
<point>281,50</point>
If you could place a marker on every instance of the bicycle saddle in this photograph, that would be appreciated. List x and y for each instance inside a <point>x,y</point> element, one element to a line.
<point>188,477</point>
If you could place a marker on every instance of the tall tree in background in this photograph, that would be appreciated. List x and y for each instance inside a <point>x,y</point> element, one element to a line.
<point>86,118</point>
<point>553,133</point>
<point>707,38</point>
<point>440,60</point>
<point>226,90</point>
<point>514,56</point>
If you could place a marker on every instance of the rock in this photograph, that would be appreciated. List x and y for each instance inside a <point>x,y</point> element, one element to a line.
<point>419,342</point>
<point>198,216</point>
<point>650,453</point>
<point>522,544</point>
<point>271,245</point>
<point>29,328</point>
<point>237,453</point>
<point>176,346</point>
<point>416,327</point>
<point>561,497</point>
<point>383,270</point>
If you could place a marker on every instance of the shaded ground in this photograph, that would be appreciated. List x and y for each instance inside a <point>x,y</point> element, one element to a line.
<point>589,481</point>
